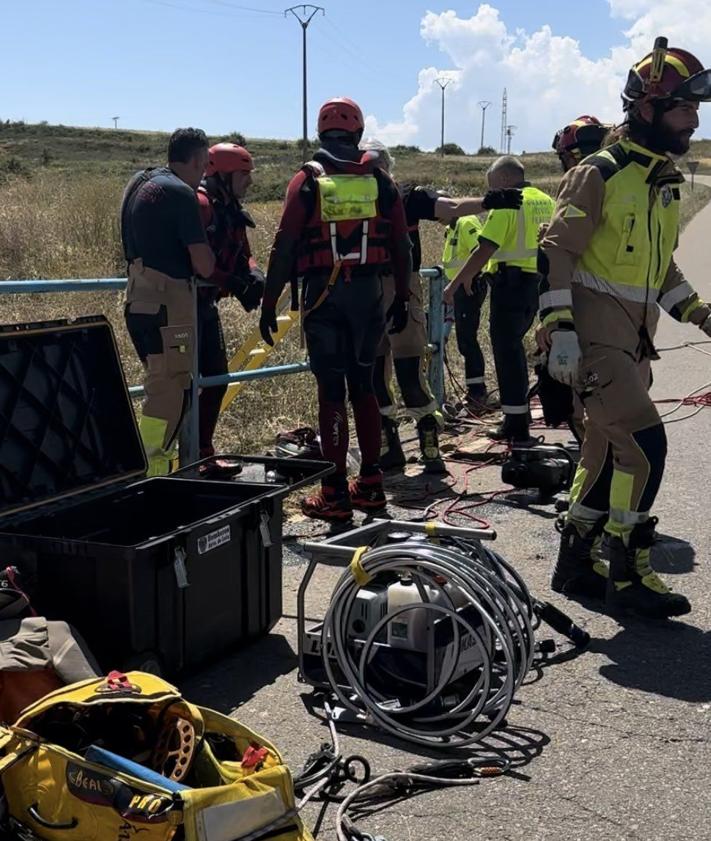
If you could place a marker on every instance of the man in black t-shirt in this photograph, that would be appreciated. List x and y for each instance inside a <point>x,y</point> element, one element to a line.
<point>165,246</point>
<point>405,351</point>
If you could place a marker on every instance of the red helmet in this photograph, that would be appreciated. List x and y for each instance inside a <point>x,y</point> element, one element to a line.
<point>225,158</point>
<point>340,113</point>
<point>584,135</point>
<point>667,74</point>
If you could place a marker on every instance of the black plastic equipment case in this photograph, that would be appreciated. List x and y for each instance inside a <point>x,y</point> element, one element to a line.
<point>161,573</point>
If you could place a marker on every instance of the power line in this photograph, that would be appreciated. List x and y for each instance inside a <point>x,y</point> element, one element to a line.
<point>442,82</point>
<point>504,121</point>
<point>245,8</point>
<point>205,10</point>
<point>483,104</point>
<point>307,14</point>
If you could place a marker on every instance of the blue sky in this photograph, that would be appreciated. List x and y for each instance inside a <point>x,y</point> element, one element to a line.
<point>163,63</point>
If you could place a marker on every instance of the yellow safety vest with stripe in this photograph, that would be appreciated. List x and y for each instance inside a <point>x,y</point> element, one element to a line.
<point>347,197</point>
<point>515,232</point>
<point>629,253</point>
<point>461,237</point>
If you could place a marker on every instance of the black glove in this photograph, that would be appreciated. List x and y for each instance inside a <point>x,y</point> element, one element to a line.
<point>247,288</point>
<point>507,198</point>
<point>268,324</point>
<point>397,312</point>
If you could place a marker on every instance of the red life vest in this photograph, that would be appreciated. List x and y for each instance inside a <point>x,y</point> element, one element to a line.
<point>352,243</point>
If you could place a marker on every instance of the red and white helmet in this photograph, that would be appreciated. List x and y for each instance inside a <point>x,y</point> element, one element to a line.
<point>340,113</point>
<point>225,158</point>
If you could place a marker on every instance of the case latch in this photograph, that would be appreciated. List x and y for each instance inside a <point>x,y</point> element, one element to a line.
<point>181,572</point>
<point>264,529</point>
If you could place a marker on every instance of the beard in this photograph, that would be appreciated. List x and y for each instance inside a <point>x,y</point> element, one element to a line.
<point>659,137</point>
<point>674,142</point>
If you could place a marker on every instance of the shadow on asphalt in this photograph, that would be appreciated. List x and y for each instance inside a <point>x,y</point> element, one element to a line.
<point>672,556</point>
<point>671,659</point>
<point>518,745</point>
<point>237,677</point>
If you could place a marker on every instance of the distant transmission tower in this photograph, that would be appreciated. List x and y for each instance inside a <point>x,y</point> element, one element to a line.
<point>504,121</point>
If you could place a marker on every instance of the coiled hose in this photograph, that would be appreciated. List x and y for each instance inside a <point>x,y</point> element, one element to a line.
<point>500,627</point>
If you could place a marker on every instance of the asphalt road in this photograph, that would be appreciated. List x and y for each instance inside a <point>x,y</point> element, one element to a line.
<point>613,744</point>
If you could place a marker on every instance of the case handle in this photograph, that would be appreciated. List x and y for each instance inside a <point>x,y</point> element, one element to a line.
<point>35,815</point>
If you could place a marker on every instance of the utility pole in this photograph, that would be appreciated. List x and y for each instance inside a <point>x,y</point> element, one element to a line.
<point>483,104</point>
<point>115,119</point>
<point>443,84</point>
<point>510,130</point>
<point>304,14</point>
<point>504,121</point>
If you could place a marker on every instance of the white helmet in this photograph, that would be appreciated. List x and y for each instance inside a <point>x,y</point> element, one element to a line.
<point>372,144</point>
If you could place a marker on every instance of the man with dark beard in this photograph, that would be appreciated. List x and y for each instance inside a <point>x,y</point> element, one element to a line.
<point>609,267</point>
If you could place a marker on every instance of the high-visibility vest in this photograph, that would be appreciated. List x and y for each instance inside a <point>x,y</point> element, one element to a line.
<point>461,237</point>
<point>629,253</point>
<point>516,231</point>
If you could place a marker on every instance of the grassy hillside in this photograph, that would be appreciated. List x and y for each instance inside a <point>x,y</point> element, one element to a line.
<point>60,189</point>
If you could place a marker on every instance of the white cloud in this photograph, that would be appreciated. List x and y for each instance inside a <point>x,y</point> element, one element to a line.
<point>548,78</point>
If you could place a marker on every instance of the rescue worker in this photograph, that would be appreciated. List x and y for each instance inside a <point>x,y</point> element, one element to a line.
<point>508,243</point>
<point>460,239</point>
<point>165,246</point>
<point>406,351</point>
<point>343,223</point>
<point>582,137</point>
<point>227,180</point>
<point>610,268</point>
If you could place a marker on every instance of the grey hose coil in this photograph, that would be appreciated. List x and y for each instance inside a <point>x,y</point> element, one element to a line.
<point>503,635</point>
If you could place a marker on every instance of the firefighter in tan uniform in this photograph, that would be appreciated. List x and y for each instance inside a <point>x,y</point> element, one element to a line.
<point>406,351</point>
<point>165,247</point>
<point>610,268</point>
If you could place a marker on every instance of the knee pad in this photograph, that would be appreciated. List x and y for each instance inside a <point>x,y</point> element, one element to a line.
<point>653,443</point>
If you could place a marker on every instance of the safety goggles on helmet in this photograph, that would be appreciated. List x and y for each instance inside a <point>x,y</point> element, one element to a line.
<point>667,75</point>
<point>696,88</point>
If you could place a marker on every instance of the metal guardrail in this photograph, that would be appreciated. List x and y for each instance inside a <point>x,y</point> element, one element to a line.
<point>189,446</point>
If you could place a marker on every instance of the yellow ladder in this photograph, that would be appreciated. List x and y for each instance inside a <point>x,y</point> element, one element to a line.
<point>254,351</point>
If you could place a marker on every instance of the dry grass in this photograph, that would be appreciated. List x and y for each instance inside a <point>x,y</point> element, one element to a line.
<point>54,226</point>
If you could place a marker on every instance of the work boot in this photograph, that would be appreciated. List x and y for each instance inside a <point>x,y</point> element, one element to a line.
<point>632,584</point>
<point>367,494</point>
<point>391,454</point>
<point>478,401</point>
<point>579,570</point>
<point>513,429</point>
<point>427,432</point>
<point>330,503</point>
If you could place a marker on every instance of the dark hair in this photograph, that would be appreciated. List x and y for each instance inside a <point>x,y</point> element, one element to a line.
<point>184,143</point>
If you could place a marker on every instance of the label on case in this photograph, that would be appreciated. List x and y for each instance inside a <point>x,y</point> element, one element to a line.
<point>211,541</point>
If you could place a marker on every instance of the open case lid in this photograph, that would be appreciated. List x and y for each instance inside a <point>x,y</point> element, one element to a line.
<point>66,420</point>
